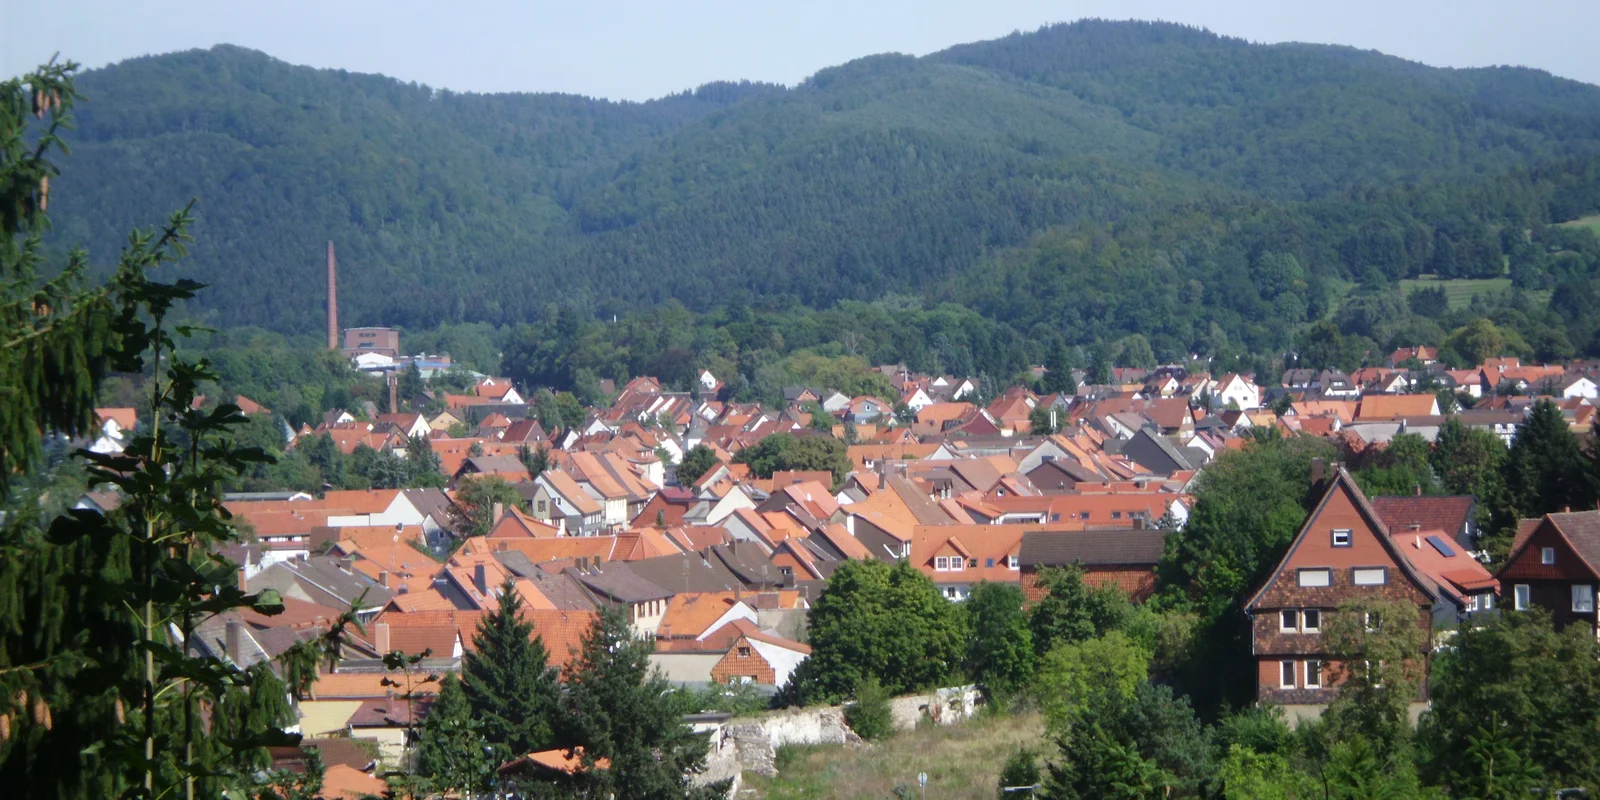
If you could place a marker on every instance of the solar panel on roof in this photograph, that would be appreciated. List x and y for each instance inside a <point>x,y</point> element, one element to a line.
<point>1442,546</point>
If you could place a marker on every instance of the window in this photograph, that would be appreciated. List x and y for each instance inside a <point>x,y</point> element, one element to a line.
<point>1311,620</point>
<point>1313,674</point>
<point>1055,516</point>
<point>744,652</point>
<point>1487,601</point>
<point>950,592</point>
<point>1521,599</point>
<point>1547,555</point>
<point>1011,561</point>
<point>941,564</point>
<point>988,562</point>
<point>973,563</point>
<point>957,562</point>
<point>1289,620</point>
<point>1084,515</point>
<point>1583,598</point>
<point>1368,576</point>
<point>1287,674</point>
<point>1116,515</point>
<point>543,507</point>
<point>1374,622</point>
<point>1341,537</point>
<point>1316,577</point>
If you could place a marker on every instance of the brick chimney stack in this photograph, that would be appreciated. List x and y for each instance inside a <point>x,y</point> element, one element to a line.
<point>394,393</point>
<point>333,303</point>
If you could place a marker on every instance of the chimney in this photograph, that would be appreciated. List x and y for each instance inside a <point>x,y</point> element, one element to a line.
<point>1319,470</point>
<point>333,303</point>
<point>380,637</point>
<point>234,641</point>
<point>1418,490</point>
<point>244,583</point>
<point>480,576</point>
<point>383,578</point>
<point>394,393</point>
<point>498,511</point>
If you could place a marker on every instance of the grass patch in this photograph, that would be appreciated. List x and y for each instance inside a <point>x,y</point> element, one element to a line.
<point>1592,223</point>
<point>962,761</point>
<point>1460,291</point>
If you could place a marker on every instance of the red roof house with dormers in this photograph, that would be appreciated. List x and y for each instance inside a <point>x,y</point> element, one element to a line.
<point>1343,552</point>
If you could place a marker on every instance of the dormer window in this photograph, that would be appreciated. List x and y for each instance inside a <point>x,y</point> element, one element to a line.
<point>1011,562</point>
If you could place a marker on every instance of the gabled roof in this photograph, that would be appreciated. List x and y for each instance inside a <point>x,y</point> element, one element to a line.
<point>1400,514</point>
<point>563,485</point>
<point>1580,529</point>
<point>1342,481</point>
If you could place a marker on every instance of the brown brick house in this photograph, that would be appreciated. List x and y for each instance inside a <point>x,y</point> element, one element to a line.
<point>755,656</point>
<point>1343,552</point>
<point>1124,558</point>
<point>1555,565</point>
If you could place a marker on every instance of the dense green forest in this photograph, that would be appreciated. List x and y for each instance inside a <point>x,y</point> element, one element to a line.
<point>1082,183</point>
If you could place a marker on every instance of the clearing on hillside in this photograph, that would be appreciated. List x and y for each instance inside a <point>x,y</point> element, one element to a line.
<point>962,761</point>
<point>1591,222</point>
<point>1459,291</point>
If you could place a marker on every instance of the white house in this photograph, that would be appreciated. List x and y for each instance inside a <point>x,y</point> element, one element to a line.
<point>1579,386</point>
<point>917,400</point>
<point>1235,390</point>
<point>708,382</point>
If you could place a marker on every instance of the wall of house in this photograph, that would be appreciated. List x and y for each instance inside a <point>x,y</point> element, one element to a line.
<point>734,667</point>
<point>1138,582</point>
<point>1550,585</point>
<point>686,667</point>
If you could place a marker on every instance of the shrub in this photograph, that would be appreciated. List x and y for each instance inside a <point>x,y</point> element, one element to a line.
<point>1021,769</point>
<point>869,716</point>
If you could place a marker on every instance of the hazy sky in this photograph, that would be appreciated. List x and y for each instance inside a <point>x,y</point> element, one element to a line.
<point>637,49</point>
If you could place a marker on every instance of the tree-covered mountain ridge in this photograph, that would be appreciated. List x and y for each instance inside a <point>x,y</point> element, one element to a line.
<point>886,175</point>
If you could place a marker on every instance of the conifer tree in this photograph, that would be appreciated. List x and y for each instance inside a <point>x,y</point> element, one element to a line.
<point>621,710</point>
<point>509,683</point>
<point>451,751</point>
<point>1544,470</point>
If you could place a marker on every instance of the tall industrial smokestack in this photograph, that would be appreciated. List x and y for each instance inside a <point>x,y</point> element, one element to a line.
<point>333,303</point>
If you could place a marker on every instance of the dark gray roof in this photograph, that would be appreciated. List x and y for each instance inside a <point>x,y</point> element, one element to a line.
<point>621,583</point>
<point>324,580</point>
<point>431,503</point>
<point>562,590</point>
<point>1091,548</point>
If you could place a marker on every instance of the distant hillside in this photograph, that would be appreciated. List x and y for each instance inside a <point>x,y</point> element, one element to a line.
<point>889,174</point>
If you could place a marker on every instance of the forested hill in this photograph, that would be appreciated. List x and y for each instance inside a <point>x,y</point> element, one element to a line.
<point>889,174</point>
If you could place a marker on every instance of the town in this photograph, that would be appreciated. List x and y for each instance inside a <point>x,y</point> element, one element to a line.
<point>714,526</point>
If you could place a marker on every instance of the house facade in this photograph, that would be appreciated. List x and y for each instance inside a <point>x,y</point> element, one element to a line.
<point>1343,552</point>
<point>1555,565</point>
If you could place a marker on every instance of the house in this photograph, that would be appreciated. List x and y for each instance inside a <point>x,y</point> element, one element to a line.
<point>1236,391</point>
<point>116,425</point>
<point>1343,552</point>
<point>955,557</point>
<point>1122,558</point>
<point>408,425</point>
<point>558,499</point>
<point>1380,407</point>
<point>1578,385</point>
<point>756,656</point>
<point>443,422</point>
<point>1555,565</point>
<point>916,399</point>
<point>1423,355</point>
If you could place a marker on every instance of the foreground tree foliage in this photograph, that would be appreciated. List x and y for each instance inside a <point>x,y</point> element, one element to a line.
<point>509,684</point>
<point>879,621</point>
<point>94,602</point>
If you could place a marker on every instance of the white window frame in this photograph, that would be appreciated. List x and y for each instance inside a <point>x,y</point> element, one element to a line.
<point>941,564</point>
<point>1305,621</point>
<point>1342,533</point>
<point>1011,563</point>
<point>1584,592</point>
<point>1547,556</point>
<point>958,563</point>
<point>1313,674</point>
<point>1522,597</point>
<point>1356,574</point>
<point>1291,670</point>
<point>1300,577</point>
<point>1285,614</point>
<point>1486,601</point>
<point>1372,621</point>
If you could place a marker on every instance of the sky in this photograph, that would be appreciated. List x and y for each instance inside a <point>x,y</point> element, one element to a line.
<point>640,49</point>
